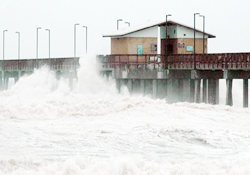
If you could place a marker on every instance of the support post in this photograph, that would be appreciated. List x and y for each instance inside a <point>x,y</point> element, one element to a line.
<point>213,91</point>
<point>186,90</point>
<point>175,90</point>
<point>229,96</point>
<point>211,94</point>
<point>169,90</point>
<point>217,91</point>
<point>192,90</point>
<point>162,88</point>
<point>130,86</point>
<point>136,86</point>
<point>204,91</point>
<point>1,83</point>
<point>16,78</point>
<point>142,86</point>
<point>155,85</point>
<point>197,90</point>
<point>245,93</point>
<point>118,85</point>
<point>6,83</point>
<point>19,74</point>
<point>180,93</point>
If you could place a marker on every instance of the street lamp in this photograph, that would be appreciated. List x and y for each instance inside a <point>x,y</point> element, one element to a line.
<point>203,33</point>
<point>166,41</point>
<point>49,41</point>
<point>128,23</point>
<point>75,40</point>
<point>86,36</point>
<point>18,49</point>
<point>18,45</point>
<point>3,42</point>
<point>37,41</point>
<point>118,23</point>
<point>194,40</point>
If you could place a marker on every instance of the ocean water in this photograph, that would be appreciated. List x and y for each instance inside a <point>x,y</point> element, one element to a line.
<point>46,129</point>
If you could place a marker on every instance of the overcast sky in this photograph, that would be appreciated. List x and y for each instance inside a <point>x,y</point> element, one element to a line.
<point>229,20</point>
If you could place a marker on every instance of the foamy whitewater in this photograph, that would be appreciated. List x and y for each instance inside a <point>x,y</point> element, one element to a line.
<point>46,129</point>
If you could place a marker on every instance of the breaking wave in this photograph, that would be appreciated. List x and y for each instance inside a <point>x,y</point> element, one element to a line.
<point>46,128</point>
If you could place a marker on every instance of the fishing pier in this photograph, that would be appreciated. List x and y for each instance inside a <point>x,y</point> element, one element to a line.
<point>176,77</point>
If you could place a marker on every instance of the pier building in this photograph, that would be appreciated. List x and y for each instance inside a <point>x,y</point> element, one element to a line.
<point>150,38</point>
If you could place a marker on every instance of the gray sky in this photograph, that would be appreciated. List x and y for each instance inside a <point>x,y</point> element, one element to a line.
<point>227,19</point>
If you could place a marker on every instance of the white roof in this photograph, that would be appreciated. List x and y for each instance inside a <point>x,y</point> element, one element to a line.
<point>132,29</point>
<point>148,24</point>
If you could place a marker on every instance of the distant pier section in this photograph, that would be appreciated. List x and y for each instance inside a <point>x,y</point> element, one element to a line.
<point>65,67</point>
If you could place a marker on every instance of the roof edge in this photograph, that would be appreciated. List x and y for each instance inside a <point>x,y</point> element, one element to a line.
<point>122,32</point>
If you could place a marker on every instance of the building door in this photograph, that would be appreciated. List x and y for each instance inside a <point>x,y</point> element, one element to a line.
<point>170,49</point>
<point>172,46</point>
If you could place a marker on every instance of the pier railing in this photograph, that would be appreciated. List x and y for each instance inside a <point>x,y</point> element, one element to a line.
<point>178,61</point>
<point>237,61</point>
<point>31,64</point>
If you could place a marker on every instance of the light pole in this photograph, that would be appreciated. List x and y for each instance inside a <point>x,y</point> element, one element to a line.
<point>194,40</point>
<point>128,23</point>
<point>75,40</point>
<point>3,42</point>
<point>203,33</point>
<point>37,41</point>
<point>49,41</point>
<point>166,42</point>
<point>18,48</point>
<point>18,45</point>
<point>86,37</point>
<point>118,23</point>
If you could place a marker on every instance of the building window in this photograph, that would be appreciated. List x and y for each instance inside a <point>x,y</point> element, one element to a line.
<point>181,45</point>
<point>184,34</point>
<point>190,48</point>
<point>153,47</point>
<point>139,49</point>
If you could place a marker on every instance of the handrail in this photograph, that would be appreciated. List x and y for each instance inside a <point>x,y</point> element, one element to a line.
<point>217,61</point>
<point>31,64</point>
